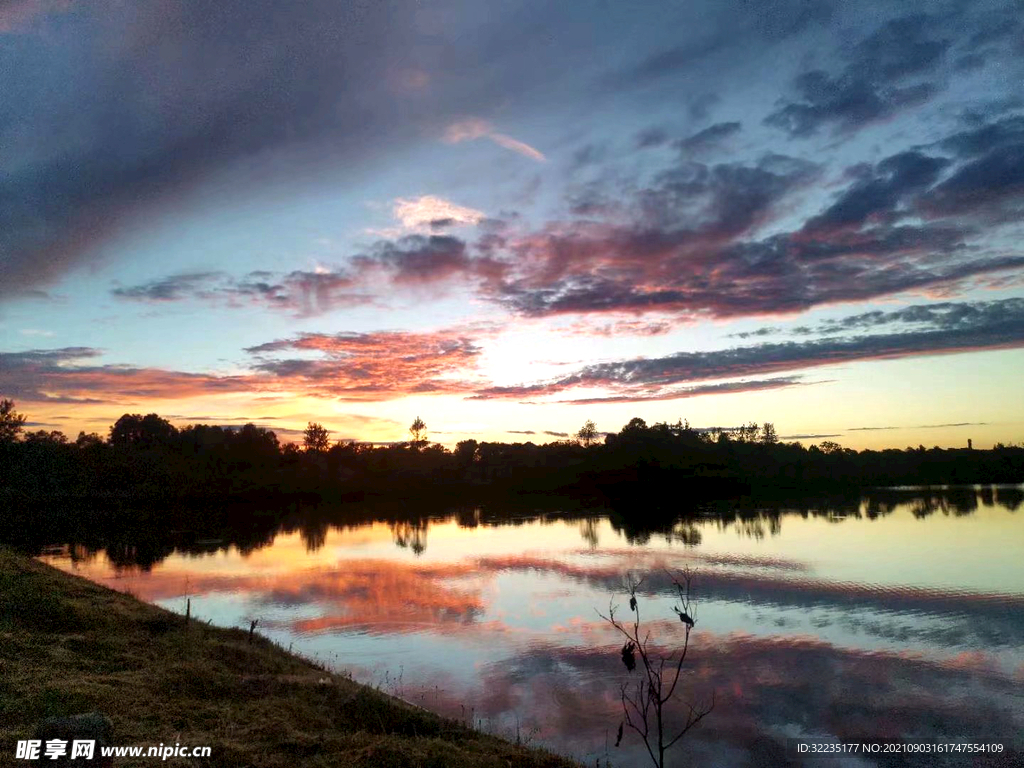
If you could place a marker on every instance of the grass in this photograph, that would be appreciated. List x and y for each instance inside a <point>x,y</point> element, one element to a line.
<point>69,646</point>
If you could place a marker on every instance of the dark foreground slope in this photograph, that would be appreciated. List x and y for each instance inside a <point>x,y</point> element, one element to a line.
<point>69,646</point>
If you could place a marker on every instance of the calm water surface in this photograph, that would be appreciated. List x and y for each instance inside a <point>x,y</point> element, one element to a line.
<point>900,615</point>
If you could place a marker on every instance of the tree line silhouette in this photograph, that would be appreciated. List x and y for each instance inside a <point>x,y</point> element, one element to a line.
<point>147,457</point>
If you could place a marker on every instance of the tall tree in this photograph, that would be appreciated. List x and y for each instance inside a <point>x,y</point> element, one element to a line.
<point>149,431</point>
<point>418,430</point>
<point>587,435</point>
<point>466,452</point>
<point>10,422</point>
<point>316,438</point>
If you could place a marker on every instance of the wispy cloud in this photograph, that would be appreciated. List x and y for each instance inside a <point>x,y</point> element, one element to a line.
<point>303,293</point>
<point>707,139</point>
<point>986,325</point>
<point>475,128</point>
<point>920,426</point>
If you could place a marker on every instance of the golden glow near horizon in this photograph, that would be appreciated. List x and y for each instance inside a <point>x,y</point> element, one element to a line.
<point>501,253</point>
<point>876,405</point>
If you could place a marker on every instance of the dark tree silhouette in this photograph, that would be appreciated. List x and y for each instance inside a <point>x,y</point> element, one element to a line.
<point>466,453</point>
<point>11,422</point>
<point>418,430</point>
<point>636,426</point>
<point>643,702</point>
<point>147,458</point>
<point>587,435</point>
<point>748,432</point>
<point>148,431</point>
<point>316,438</point>
<point>53,437</point>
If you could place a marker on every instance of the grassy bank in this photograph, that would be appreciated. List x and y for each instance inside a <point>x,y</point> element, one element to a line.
<point>69,646</point>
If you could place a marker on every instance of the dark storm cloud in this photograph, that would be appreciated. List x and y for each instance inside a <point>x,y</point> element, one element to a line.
<point>417,258</point>
<point>941,315</point>
<point>848,102</point>
<point>991,325</point>
<point>879,193</point>
<point>1006,331</point>
<point>591,269</point>
<point>725,198</point>
<point>990,187</point>
<point>881,77</point>
<point>686,242</point>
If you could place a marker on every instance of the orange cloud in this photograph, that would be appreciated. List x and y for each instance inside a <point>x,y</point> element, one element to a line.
<point>355,366</point>
<point>376,366</point>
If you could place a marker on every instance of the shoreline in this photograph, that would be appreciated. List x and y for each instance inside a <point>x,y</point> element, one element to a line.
<point>70,646</point>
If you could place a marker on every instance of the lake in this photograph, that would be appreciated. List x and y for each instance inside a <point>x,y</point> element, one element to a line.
<point>896,614</point>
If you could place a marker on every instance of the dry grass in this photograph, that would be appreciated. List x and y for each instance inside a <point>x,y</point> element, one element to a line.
<point>69,646</point>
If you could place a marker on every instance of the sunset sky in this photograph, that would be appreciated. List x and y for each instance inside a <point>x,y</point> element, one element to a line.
<point>509,218</point>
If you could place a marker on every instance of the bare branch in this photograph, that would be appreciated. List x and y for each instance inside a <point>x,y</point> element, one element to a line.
<point>643,701</point>
<point>694,717</point>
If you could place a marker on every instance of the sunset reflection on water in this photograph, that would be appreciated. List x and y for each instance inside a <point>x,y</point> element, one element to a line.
<point>904,619</point>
